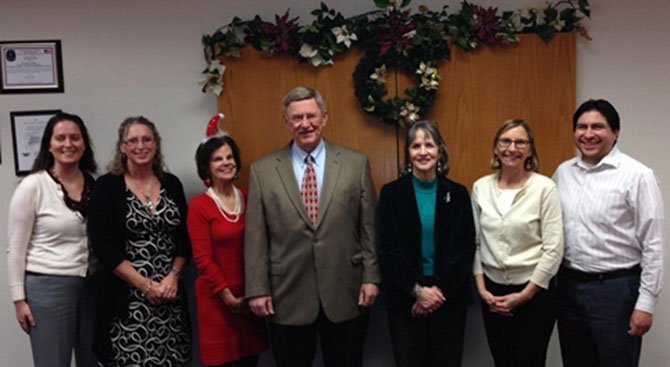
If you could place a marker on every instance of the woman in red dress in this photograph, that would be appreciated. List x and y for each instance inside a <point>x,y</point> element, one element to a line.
<point>229,334</point>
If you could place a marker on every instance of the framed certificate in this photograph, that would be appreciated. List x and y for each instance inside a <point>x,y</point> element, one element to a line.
<point>27,131</point>
<point>31,67</point>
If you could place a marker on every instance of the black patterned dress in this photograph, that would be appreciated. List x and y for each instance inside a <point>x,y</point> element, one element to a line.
<point>151,335</point>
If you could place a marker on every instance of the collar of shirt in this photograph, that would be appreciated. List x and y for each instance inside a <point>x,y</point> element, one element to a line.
<point>298,161</point>
<point>611,160</point>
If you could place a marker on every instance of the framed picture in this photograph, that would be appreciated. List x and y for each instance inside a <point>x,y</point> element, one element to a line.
<point>27,130</point>
<point>31,67</point>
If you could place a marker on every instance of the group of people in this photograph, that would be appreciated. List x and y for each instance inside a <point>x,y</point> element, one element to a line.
<point>95,265</point>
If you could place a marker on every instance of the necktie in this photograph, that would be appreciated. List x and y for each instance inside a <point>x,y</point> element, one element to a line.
<point>309,191</point>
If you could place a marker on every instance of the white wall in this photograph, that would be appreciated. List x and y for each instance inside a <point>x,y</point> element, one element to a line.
<point>126,58</point>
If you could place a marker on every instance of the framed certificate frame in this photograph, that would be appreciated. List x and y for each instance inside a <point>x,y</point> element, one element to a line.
<point>27,131</point>
<point>31,67</point>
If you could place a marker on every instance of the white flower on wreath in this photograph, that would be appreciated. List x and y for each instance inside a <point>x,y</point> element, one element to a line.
<point>409,113</point>
<point>379,75</point>
<point>342,35</point>
<point>213,79</point>
<point>429,76</point>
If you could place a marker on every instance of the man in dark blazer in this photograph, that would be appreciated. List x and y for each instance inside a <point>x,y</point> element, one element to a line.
<point>311,275</point>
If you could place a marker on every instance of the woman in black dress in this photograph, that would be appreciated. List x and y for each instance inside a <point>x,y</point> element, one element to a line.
<point>137,227</point>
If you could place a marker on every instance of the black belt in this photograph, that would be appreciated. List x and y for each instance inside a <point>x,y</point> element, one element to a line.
<point>588,277</point>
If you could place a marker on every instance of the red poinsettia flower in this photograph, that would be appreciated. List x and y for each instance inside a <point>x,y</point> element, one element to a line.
<point>485,24</point>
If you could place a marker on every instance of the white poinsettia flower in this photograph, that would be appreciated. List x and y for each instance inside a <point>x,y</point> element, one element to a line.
<point>211,83</point>
<point>526,13</point>
<point>409,112</point>
<point>217,89</point>
<point>379,75</point>
<point>307,51</point>
<point>213,79</point>
<point>516,21</point>
<point>429,83</point>
<point>217,66</point>
<point>427,70</point>
<point>410,34</point>
<point>342,35</point>
<point>318,61</point>
<point>558,24</point>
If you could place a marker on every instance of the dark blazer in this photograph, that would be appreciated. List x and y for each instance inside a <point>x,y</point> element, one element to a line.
<point>399,241</point>
<point>107,233</point>
<point>302,266</point>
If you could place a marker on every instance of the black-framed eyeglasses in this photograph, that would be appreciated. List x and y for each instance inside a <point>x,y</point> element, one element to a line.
<point>519,143</point>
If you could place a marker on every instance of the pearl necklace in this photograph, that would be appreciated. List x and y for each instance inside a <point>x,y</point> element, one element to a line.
<point>232,216</point>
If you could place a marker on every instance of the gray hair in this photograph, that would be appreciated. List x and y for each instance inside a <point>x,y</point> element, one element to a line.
<point>301,94</point>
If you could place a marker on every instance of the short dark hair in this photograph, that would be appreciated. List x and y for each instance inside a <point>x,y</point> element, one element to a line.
<point>604,107</point>
<point>431,129</point>
<point>204,153</point>
<point>45,159</point>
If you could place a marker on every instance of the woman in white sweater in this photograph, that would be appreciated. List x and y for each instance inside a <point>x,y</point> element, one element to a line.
<point>48,254</point>
<point>519,249</point>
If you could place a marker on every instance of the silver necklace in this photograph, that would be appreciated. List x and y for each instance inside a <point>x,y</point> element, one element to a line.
<point>231,215</point>
<point>148,204</point>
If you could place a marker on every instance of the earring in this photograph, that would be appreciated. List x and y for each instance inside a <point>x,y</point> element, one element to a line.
<point>439,166</point>
<point>208,182</point>
<point>409,167</point>
<point>495,162</point>
<point>528,164</point>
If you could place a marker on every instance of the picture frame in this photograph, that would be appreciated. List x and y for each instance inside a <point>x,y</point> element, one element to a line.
<point>27,131</point>
<point>31,67</point>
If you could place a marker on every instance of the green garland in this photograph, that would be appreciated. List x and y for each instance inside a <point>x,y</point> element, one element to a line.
<point>392,38</point>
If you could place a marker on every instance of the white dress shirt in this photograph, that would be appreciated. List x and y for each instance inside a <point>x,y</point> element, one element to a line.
<point>613,214</point>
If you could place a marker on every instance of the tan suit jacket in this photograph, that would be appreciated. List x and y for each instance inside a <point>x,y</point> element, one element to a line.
<point>303,266</point>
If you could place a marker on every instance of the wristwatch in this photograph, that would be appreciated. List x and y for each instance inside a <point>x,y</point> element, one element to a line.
<point>416,291</point>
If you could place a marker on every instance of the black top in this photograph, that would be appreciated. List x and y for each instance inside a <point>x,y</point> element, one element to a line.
<point>399,241</point>
<point>107,233</point>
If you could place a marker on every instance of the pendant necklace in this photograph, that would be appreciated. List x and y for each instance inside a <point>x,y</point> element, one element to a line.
<point>231,215</point>
<point>148,204</point>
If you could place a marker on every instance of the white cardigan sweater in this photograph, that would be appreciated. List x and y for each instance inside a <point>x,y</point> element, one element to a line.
<point>45,236</point>
<point>526,244</point>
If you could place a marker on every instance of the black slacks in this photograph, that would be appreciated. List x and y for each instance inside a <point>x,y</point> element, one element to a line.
<point>435,340</point>
<point>521,340</point>
<point>341,343</point>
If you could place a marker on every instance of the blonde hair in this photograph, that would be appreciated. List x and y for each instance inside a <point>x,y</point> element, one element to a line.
<point>119,163</point>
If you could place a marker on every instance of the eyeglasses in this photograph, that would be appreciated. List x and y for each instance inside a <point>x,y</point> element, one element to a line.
<point>298,118</point>
<point>134,142</point>
<point>506,143</point>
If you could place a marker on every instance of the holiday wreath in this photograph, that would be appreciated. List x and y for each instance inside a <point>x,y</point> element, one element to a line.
<point>393,38</point>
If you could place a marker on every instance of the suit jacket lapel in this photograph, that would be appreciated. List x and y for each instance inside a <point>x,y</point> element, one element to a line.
<point>330,178</point>
<point>285,172</point>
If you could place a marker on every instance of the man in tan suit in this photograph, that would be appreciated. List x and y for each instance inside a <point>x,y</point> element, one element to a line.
<point>310,261</point>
